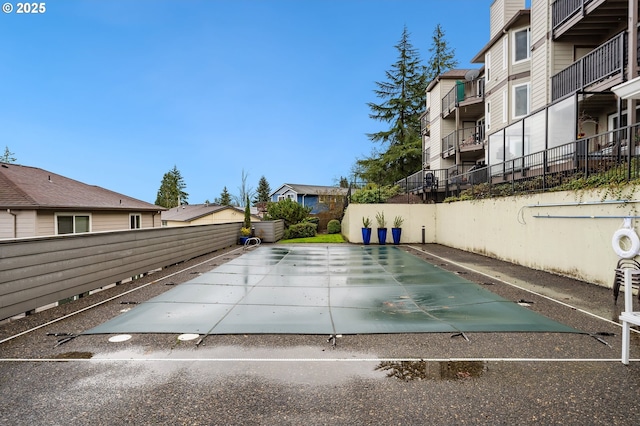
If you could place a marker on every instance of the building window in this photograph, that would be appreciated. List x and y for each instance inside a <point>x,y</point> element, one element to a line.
<point>71,223</point>
<point>520,100</point>
<point>487,116</point>
<point>521,45</point>
<point>135,221</point>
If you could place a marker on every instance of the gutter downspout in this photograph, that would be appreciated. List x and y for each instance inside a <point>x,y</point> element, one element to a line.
<point>15,223</point>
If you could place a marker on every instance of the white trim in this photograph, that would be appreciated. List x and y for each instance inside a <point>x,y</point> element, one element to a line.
<point>505,52</point>
<point>628,90</point>
<point>514,45</point>
<point>72,214</point>
<point>514,103</point>
<point>139,216</point>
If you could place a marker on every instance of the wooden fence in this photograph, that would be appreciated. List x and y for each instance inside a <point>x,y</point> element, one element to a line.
<point>36,272</point>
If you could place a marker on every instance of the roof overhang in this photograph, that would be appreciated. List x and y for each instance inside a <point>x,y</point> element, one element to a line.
<point>628,90</point>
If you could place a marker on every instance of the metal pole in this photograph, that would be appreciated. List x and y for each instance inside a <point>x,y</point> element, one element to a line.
<point>423,235</point>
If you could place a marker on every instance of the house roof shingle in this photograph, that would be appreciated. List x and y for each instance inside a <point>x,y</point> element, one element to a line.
<point>313,189</point>
<point>190,212</point>
<point>24,187</point>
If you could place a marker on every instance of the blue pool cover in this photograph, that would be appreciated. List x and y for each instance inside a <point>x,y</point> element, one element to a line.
<point>334,289</point>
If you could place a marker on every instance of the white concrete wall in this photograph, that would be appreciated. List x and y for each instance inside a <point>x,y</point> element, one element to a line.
<point>507,229</point>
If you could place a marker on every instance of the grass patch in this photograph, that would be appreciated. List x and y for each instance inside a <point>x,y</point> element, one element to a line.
<point>320,238</point>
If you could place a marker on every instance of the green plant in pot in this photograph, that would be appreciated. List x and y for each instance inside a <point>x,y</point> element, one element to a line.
<point>382,228</point>
<point>396,231</point>
<point>366,230</point>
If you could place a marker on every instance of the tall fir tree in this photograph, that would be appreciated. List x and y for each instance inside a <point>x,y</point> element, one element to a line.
<point>225,198</point>
<point>171,192</point>
<point>8,156</point>
<point>402,95</point>
<point>263,191</point>
<point>442,57</point>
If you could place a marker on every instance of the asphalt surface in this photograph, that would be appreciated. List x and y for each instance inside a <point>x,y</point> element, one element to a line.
<point>400,379</point>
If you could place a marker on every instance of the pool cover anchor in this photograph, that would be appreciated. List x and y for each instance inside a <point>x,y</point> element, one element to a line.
<point>332,339</point>
<point>604,342</point>
<point>460,334</point>
<point>66,337</point>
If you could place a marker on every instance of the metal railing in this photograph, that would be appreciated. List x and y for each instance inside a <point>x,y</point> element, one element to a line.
<point>612,156</point>
<point>462,91</point>
<point>562,10</point>
<point>425,123</point>
<point>605,61</point>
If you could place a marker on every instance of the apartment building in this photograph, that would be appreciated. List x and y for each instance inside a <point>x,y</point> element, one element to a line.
<point>543,80</point>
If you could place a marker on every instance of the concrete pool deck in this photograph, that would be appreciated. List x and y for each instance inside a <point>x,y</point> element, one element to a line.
<point>493,378</point>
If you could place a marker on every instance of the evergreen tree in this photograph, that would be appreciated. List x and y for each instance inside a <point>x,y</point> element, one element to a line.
<point>225,198</point>
<point>8,156</point>
<point>442,57</point>
<point>263,192</point>
<point>171,192</point>
<point>402,103</point>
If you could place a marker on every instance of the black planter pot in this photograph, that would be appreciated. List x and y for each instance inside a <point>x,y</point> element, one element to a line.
<point>395,233</point>
<point>382,236</point>
<point>366,236</point>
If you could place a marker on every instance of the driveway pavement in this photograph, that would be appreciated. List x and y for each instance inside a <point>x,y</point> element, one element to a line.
<point>51,376</point>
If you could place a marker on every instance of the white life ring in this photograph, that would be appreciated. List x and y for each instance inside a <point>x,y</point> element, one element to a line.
<point>632,236</point>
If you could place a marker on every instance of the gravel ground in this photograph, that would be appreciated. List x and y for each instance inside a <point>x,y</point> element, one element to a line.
<point>402,379</point>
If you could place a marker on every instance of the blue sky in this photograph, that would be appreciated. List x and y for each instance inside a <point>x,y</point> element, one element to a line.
<point>115,93</point>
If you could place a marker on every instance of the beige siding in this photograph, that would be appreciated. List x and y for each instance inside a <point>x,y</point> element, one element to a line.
<point>562,57</point>
<point>540,91</point>
<point>501,12</point>
<point>23,224</point>
<point>224,216</point>
<point>45,225</point>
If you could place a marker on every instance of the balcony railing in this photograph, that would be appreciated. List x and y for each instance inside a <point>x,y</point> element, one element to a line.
<point>464,139</point>
<point>449,144</point>
<point>425,123</point>
<point>598,65</point>
<point>613,155</point>
<point>463,91</point>
<point>562,10</point>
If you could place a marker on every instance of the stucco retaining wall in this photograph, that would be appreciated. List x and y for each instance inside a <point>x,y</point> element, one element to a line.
<point>564,232</point>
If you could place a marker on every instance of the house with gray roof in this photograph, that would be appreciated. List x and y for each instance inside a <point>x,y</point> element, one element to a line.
<point>319,198</point>
<point>36,202</point>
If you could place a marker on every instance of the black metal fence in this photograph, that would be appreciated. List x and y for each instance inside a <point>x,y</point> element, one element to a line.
<point>606,157</point>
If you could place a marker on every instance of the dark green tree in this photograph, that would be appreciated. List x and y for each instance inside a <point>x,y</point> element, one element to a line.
<point>263,192</point>
<point>224,199</point>
<point>247,214</point>
<point>8,156</point>
<point>171,192</point>
<point>402,96</point>
<point>442,57</point>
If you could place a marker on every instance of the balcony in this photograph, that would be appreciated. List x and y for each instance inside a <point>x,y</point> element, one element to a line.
<point>425,123</point>
<point>466,140</point>
<point>465,93</point>
<point>588,21</point>
<point>599,70</point>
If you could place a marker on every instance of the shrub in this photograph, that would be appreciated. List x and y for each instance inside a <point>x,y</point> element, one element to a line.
<point>300,230</point>
<point>373,194</point>
<point>334,227</point>
<point>313,219</point>
<point>288,210</point>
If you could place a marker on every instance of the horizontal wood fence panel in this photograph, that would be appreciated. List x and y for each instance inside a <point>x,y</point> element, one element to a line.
<point>35,272</point>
